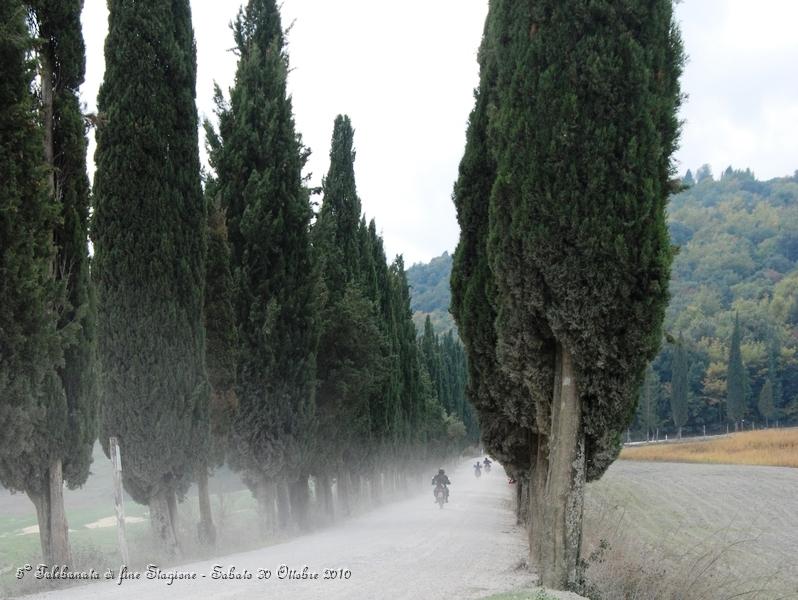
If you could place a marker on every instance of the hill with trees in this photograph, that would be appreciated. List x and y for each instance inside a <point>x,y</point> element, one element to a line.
<point>430,293</point>
<point>737,240</point>
<point>737,259</point>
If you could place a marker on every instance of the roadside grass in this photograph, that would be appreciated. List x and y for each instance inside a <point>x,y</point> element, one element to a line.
<point>769,447</point>
<point>622,561</point>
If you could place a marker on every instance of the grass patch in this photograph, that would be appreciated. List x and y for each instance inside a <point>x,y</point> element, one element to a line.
<point>769,447</point>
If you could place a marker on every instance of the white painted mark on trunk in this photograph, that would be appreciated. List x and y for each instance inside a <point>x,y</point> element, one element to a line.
<point>566,381</point>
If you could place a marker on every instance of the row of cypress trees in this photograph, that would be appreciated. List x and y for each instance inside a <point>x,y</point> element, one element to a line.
<point>445,361</point>
<point>47,322</point>
<point>560,279</point>
<point>225,324</point>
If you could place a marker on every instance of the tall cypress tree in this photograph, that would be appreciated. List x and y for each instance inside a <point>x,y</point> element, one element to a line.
<point>735,379</point>
<point>582,128</point>
<point>221,354</point>
<point>72,405</point>
<point>648,402</point>
<point>30,347</point>
<point>258,158</point>
<point>149,240</point>
<point>506,431</point>
<point>766,406</point>
<point>679,385</point>
<point>351,348</point>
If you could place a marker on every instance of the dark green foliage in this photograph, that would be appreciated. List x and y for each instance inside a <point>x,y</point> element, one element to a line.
<point>505,430</point>
<point>30,349</point>
<point>581,126</point>
<point>221,336</point>
<point>339,220</point>
<point>63,50</point>
<point>258,159</point>
<point>443,361</point>
<point>736,385</point>
<point>353,355</point>
<point>679,385</point>
<point>149,239</point>
<point>596,256</point>
<point>766,406</point>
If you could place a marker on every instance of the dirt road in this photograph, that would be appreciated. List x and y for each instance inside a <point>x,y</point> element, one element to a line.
<point>409,549</point>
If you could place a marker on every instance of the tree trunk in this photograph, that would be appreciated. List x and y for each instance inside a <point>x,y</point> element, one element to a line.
<point>680,433</point>
<point>522,499</point>
<point>283,506</point>
<point>161,523</point>
<point>537,493</point>
<point>264,494</point>
<point>299,498</point>
<point>59,529</point>
<point>42,504</point>
<point>344,493</point>
<point>561,527</point>
<point>205,529</point>
<point>326,497</point>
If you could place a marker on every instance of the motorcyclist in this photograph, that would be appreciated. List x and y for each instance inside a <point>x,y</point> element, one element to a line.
<point>477,469</point>
<point>487,462</point>
<point>442,479</point>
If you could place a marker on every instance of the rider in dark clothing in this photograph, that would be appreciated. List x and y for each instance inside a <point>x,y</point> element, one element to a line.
<point>443,480</point>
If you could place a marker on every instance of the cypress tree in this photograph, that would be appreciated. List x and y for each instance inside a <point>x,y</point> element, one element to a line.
<point>150,244</point>
<point>773,375</point>
<point>433,361</point>
<point>766,406</point>
<point>72,410</point>
<point>258,158</point>
<point>505,423</point>
<point>351,346</point>
<point>31,351</point>
<point>647,404</point>
<point>581,125</point>
<point>221,358</point>
<point>735,379</point>
<point>679,385</point>
<point>61,446</point>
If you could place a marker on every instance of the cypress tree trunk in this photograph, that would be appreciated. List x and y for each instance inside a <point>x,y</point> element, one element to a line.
<point>58,529</point>
<point>326,497</point>
<point>205,529</point>
<point>344,493</point>
<point>299,500</point>
<point>264,494</point>
<point>561,527</point>
<point>283,506</point>
<point>161,523</point>
<point>537,492</point>
<point>42,504</point>
<point>171,499</point>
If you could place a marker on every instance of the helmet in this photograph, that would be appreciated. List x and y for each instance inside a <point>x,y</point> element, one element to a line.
<point>440,471</point>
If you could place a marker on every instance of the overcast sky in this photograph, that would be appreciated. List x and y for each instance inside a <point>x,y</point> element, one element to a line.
<point>405,73</point>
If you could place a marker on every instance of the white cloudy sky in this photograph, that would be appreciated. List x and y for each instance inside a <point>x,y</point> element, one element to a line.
<point>405,72</point>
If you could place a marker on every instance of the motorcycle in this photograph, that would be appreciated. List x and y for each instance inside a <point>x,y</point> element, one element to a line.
<point>440,494</point>
<point>477,470</point>
<point>487,468</point>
